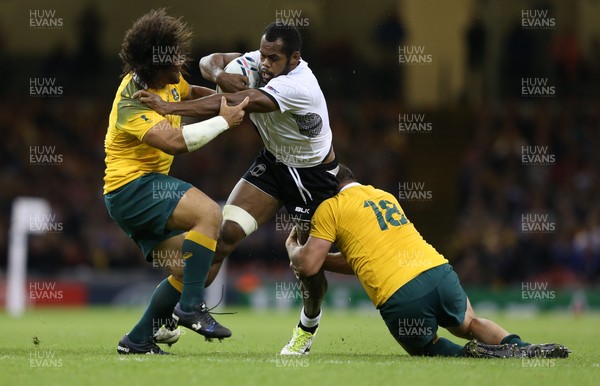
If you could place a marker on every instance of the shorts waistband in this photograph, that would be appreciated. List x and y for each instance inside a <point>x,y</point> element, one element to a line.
<point>330,165</point>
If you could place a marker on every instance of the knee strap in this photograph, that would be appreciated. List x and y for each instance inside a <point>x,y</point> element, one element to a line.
<point>241,217</point>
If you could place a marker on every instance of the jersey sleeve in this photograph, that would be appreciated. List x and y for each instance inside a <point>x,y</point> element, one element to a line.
<point>323,223</point>
<point>136,119</point>
<point>289,95</point>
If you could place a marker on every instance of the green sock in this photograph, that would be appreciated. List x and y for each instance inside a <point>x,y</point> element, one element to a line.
<point>157,313</point>
<point>443,347</point>
<point>514,339</point>
<point>198,251</point>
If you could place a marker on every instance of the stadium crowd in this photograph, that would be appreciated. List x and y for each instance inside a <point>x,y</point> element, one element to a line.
<point>498,191</point>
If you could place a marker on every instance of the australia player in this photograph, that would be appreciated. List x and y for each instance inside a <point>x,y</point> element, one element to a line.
<point>412,285</point>
<point>170,220</point>
<point>297,166</point>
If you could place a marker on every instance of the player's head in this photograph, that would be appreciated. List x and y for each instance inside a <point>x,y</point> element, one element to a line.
<point>155,48</point>
<point>280,47</point>
<point>344,176</point>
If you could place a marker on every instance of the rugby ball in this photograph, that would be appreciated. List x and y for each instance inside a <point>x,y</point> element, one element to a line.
<point>244,65</point>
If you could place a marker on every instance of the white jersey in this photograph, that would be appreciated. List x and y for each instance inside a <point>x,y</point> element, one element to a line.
<point>298,134</point>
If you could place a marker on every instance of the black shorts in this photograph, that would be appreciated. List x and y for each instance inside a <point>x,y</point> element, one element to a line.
<point>300,189</point>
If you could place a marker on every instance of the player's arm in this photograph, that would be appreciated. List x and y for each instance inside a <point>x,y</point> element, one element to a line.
<point>211,67</point>
<point>191,137</point>
<point>259,102</point>
<point>306,260</point>
<point>336,262</point>
<point>198,92</point>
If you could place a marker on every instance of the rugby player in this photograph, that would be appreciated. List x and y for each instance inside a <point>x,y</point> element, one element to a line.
<point>161,213</point>
<point>297,166</point>
<point>412,285</point>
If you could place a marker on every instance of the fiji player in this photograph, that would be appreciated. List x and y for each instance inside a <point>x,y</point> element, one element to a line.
<point>161,213</point>
<point>297,166</point>
<point>412,285</point>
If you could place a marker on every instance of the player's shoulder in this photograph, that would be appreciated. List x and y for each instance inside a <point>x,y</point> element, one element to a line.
<point>290,85</point>
<point>127,88</point>
<point>183,83</point>
<point>328,206</point>
<point>380,194</point>
<point>302,74</point>
<point>358,193</point>
<point>130,109</point>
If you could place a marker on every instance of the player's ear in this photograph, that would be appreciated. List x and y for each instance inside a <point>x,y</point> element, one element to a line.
<point>295,59</point>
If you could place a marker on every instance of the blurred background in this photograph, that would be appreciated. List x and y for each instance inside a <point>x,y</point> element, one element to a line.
<point>482,116</point>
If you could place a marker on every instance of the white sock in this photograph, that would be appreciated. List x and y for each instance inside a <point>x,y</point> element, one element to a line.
<point>308,322</point>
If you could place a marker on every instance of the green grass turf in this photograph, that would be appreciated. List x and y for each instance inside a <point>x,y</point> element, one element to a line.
<point>78,347</point>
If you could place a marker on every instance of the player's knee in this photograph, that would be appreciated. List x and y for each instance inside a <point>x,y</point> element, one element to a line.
<point>243,221</point>
<point>213,212</point>
<point>221,252</point>
<point>208,215</point>
<point>231,235</point>
<point>469,321</point>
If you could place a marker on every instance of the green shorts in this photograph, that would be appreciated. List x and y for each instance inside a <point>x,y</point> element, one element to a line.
<point>143,206</point>
<point>433,298</point>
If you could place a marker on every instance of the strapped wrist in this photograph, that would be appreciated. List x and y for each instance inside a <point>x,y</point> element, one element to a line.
<point>199,134</point>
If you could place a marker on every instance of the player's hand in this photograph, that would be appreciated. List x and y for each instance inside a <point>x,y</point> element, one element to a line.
<point>233,114</point>
<point>292,241</point>
<point>294,270</point>
<point>232,82</point>
<point>291,244</point>
<point>153,101</point>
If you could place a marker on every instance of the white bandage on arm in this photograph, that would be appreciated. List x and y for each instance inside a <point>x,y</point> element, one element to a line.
<point>199,134</point>
<point>241,217</point>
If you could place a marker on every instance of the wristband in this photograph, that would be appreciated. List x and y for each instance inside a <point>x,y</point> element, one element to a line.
<point>199,134</point>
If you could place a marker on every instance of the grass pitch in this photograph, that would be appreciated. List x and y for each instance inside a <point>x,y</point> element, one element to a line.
<point>78,347</point>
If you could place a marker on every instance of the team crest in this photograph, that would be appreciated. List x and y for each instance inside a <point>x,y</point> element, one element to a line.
<point>175,94</point>
<point>258,170</point>
<point>145,118</point>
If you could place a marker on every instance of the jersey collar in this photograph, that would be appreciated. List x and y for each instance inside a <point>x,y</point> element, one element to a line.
<point>350,185</point>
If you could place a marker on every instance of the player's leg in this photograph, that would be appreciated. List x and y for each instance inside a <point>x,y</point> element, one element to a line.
<point>307,189</point>
<point>141,208</point>
<point>490,340</point>
<point>411,315</point>
<point>313,289</point>
<point>493,341</point>
<point>254,200</point>
<point>481,329</point>
<point>157,324</point>
<point>460,319</point>
<point>454,311</point>
<point>246,209</point>
<point>201,217</point>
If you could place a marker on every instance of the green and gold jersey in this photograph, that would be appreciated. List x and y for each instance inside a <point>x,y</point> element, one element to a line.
<point>381,245</point>
<point>127,157</point>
